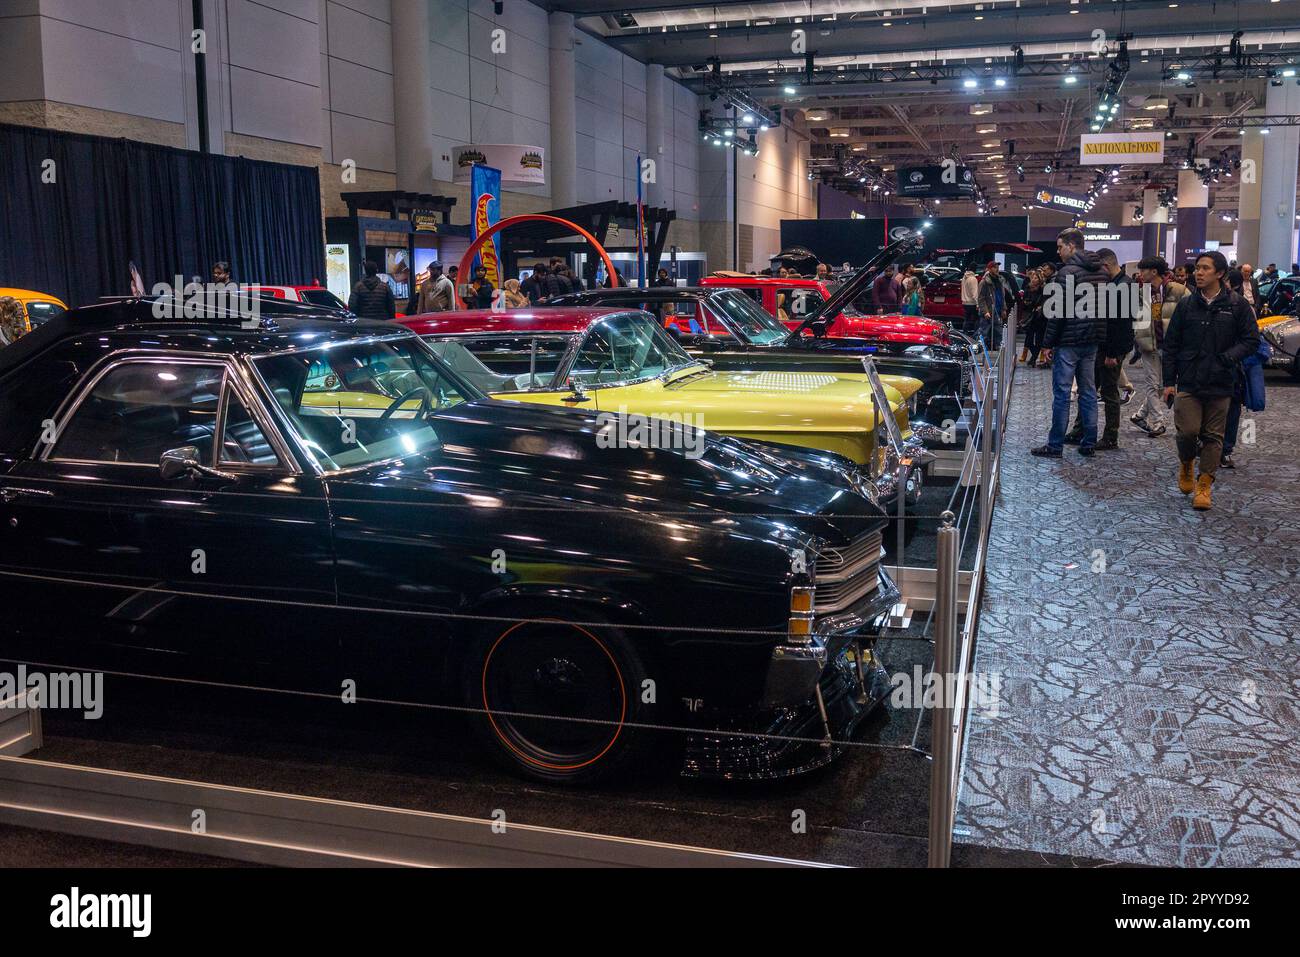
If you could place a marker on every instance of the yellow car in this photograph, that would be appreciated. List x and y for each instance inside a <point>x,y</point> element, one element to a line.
<point>35,309</point>
<point>622,361</point>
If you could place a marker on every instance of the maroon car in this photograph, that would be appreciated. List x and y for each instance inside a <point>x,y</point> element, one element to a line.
<point>943,293</point>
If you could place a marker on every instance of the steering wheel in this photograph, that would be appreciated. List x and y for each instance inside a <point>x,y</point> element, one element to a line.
<point>405,397</point>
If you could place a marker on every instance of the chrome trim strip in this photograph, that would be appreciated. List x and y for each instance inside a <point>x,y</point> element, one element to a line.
<point>121,357</point>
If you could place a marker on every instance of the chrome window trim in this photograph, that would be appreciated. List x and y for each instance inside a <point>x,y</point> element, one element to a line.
<point>565,365</point>
<point>44,452</point>
<point>572,357</point>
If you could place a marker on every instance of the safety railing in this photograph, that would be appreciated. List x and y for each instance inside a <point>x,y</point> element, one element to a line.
<point>954,638</point>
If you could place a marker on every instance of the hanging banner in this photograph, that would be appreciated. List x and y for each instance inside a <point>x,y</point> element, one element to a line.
<point>519,165</point>
<point>1060,199</point>
<point>1114,149</point>
<point>485,194</point>
<point>943,182</point>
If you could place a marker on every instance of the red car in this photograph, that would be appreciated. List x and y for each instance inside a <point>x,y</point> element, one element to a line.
<point>943,293</point>
<point>315,295</point>
<point>792,300</point>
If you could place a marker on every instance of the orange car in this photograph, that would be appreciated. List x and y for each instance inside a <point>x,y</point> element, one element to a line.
<point>36,308</point>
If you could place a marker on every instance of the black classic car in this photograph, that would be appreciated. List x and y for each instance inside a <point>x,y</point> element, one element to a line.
<point>731,331</point>
<point>307,502</point>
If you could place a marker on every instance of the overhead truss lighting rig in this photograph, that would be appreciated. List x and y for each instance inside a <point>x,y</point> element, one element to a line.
<point>749,110</point>
<point>1276,66</point>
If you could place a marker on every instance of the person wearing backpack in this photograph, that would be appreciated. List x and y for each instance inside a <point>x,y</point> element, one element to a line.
<point>1211,332</point>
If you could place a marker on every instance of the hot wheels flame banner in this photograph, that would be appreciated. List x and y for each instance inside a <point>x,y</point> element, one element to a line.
<point>485,191</point>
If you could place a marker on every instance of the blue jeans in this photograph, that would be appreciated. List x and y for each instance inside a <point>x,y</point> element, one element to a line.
<point>990,331</point>
<point>1071,364</point>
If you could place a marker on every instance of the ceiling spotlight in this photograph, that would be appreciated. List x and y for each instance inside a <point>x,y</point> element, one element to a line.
<point>969,84</point>
<point>1002,81</point>
<point>1070,78</point>
<point>789,91</point>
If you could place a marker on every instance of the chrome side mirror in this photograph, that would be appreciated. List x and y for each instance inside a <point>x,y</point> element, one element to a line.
<point>179,463</point>
<point>183,462</point>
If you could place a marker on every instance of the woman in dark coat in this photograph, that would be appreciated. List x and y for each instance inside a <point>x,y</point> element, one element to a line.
<point>1036,322</point>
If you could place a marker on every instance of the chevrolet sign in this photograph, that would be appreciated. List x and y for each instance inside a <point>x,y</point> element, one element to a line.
<point>1057,199</point>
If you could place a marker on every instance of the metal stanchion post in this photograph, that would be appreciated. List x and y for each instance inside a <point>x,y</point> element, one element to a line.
<point>903,471</point>
<point>986,448</point>
<point>942,792</point>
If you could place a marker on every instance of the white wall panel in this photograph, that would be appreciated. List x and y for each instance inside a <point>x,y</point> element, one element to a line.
<point>128,76</point>
<point>274,108</point>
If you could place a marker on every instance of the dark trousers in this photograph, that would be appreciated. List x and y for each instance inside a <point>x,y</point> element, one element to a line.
<point>971,320</point>
<point>1107,378</point>
<point>1034,338</point>
<point>1231,427</point>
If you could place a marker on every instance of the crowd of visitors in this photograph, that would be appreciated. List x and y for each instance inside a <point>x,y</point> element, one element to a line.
<point>1195,345</point>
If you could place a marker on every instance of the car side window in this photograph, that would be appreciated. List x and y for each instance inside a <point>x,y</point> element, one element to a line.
<point>801,302</point>
<point>138,410</point>
<point>242,440</point>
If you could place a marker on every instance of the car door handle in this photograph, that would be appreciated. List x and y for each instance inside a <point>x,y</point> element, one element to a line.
<point>9,493</point>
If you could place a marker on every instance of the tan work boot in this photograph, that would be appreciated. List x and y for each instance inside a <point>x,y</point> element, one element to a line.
<point>1201,499</point>
<point>1185,480</point>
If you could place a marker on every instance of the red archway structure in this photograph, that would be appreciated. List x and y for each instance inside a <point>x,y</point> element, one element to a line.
<point>483,237</point>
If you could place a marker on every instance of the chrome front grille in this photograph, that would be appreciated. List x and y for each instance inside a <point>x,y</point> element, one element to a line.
<point>845,576</point>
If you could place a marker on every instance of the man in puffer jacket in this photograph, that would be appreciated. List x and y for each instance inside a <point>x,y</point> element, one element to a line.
<point>1212,330</point>
<point>1074,331</point>
<point>1118,309</point>
<point>372,298</point>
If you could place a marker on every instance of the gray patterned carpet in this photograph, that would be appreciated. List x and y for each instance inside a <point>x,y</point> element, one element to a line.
<point>1149,654</point>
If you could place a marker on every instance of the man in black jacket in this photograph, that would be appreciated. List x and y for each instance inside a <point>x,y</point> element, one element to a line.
<point>1211,331</point>
<point>1117,309</point>
<point>372,298</point>
<point>1074,331</point>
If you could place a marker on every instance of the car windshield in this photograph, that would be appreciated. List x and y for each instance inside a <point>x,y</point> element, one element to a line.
<point>357,403</point>
<point>755,323</point>
<point>624,347</point>
<point>321,297</point>
<point>39,313</point>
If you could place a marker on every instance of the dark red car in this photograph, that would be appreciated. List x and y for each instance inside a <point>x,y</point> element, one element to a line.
<point>943,293</point>
<point>793,300</point>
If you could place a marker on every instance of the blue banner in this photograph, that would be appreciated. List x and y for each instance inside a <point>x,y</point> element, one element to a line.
<point>485,194</point>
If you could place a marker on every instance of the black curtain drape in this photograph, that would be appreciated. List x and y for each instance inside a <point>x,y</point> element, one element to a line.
<point>75,210</point>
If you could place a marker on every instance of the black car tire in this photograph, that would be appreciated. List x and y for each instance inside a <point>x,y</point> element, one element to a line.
<point>548,665</point>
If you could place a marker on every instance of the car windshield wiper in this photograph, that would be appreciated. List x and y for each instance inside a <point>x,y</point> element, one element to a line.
<point>667,378</point>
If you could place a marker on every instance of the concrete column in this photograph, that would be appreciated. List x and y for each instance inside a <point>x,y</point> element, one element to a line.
<point>1193,211</point>
<point>1155,224</point>
<point>563,159</point>
<point>654,130</point>
<point>1278,180</point>
<point>1248,207</point>
<point>412,96</point>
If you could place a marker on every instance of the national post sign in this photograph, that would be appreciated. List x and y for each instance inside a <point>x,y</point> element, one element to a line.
<point>485,194</point>
<point>1114,149</point>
